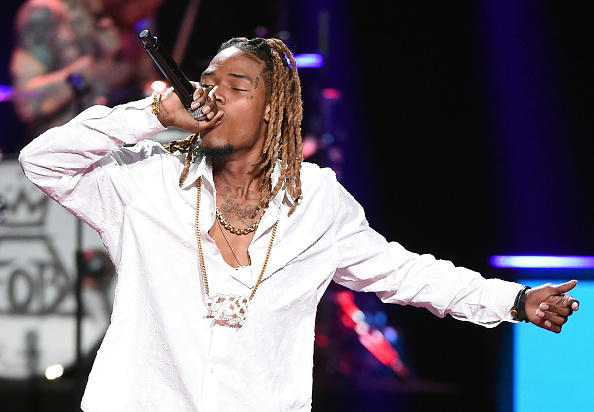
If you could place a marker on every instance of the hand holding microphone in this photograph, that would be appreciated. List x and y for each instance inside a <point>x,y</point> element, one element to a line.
<point>173,113</point>
<point>190,95</point>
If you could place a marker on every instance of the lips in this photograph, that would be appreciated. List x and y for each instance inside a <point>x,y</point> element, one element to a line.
<point>213,126</point>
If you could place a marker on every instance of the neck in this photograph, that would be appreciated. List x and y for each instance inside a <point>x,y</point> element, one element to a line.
<point>238,178</point>
<point>236,171</point>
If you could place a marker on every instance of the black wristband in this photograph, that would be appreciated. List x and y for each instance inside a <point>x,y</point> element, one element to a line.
<point>518,311</point>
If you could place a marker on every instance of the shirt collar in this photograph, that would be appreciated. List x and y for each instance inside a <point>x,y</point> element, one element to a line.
<point>201,168</point>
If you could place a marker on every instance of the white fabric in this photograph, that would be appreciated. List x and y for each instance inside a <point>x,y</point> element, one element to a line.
<point>161,353</point>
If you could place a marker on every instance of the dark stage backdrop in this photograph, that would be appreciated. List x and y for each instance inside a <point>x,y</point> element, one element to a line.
<point>476,118</point>
<point>453,146</point>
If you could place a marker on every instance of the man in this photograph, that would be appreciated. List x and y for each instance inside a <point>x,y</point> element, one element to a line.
<point>225,242</point>
<point>71,54</point>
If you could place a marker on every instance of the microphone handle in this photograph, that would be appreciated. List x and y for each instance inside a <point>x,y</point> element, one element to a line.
<point>171,70</point>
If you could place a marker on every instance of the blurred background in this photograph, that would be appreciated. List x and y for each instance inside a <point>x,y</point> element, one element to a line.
<point>463,128</point>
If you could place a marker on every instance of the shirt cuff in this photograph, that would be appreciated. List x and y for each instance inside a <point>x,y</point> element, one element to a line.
<point>507,297</point>
<point>130,123</point>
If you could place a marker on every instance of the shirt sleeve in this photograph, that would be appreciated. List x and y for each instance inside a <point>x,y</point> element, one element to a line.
<point>369,263</point>
<point>68,162</point>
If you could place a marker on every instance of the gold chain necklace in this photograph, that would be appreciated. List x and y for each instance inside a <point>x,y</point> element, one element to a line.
<point>230,310</point>
<point>231,247</point>
<point>234,230</point>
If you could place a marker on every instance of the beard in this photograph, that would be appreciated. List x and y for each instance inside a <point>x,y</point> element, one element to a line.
<point>215,155</point>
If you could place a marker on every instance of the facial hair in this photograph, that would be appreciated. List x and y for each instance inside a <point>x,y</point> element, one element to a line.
<point>215,155</point>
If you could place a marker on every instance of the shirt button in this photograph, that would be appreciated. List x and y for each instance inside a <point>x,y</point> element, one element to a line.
<point>211,370</point>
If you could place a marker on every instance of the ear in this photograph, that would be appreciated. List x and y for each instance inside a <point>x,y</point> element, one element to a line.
<point>267,113</point>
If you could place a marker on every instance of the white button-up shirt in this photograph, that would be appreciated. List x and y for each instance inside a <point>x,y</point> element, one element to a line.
<point>161,352</point>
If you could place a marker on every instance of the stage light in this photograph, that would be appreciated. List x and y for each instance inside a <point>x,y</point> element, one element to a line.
<point>372,339</point>
<point>54,372</point>
<point>158,86</point>
<point>310,146</point>
<point>543,261</point>
<point>328,139</point>
<point>380,319</point>
<point>5,92</point>
<point>142,24</point>
<point>331,94</point>
<point>532,345</point>
<point>391,334</point>
<point>309,60</point>
<point>362,328</point>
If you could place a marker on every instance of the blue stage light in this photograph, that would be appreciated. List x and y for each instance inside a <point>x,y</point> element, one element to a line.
<point>309,60</point>
<point>543,261</point>
<point>5,92</point>
<point>572,350</point>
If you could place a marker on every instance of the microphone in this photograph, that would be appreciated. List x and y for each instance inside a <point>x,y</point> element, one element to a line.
<point>170,69</point>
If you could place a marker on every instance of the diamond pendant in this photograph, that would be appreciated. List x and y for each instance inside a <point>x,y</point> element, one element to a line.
<point>229,310</point>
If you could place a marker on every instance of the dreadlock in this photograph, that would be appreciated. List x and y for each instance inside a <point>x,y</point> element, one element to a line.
<point>283,141</point>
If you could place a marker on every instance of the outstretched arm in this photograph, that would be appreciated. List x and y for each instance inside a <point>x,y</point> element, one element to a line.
<point>548,306</point>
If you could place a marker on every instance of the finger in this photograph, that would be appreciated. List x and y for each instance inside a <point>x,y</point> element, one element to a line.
<point>168,91</point>
<point>563,299</point>
<point>197,88</point>
<point>560,310</point>
<point>211,118</point>
<point>564,287</point>
<point>553,318</point>
<point>210,108</point>
<point>206,112</point>
<point>200,98</point>
<point>547,324</point>
<point>571,302</point>
<point>549,321</point>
